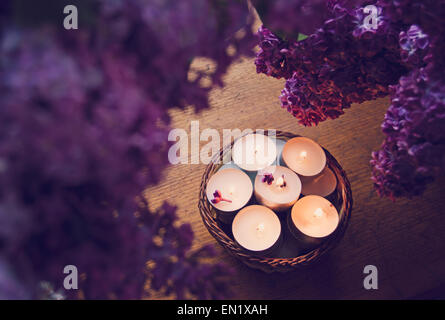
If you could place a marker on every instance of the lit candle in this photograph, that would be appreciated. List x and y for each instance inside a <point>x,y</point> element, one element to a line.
<point>312,219</point>
<point>229,190</point>
<point>322,184</point>
<point>257,228</point>
<point>304,156</point>
<point>277,187</point>
<point>254,152</point>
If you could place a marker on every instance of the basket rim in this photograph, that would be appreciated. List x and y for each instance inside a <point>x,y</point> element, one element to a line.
<point>270,264</point>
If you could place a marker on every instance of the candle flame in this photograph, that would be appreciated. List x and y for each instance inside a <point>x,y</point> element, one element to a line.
<point>231,190</point>
<point>303,154</point>
<point>318,213</point>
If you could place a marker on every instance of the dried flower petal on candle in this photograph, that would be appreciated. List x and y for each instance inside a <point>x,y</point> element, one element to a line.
<point>268,178</point>
<point>217,194</point>
<point>218,197</point>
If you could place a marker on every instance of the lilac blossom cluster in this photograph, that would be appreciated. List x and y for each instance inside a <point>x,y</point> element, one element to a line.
<point>345,61</point>
<point>83,130</point>
<point>342,63</point>
<point>414,149</point>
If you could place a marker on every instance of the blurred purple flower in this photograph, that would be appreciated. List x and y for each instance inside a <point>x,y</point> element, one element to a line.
<point>10,286</point>
<point>173,267</point>
<point>83,130</point>
<point>160,39</point>
<point>291,17</point>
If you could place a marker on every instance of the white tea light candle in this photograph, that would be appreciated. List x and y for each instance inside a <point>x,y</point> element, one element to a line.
<point>277,187</point>
<point>254,152</point>
<point>229,189</point>
<point>315,216</point>
<point>256,228</point>
<point>304,156</point>
<point>322,184</point>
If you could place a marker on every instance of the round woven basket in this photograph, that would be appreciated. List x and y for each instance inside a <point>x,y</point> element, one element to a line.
<point>341,198</point>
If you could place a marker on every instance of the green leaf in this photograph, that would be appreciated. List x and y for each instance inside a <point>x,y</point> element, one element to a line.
<point>301,37</point>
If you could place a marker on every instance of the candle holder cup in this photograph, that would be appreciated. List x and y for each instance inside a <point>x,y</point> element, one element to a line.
<point>273,261</point>
<point>305,242</point>
<point>270,252</point>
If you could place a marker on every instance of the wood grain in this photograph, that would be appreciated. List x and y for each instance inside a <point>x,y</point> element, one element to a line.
<point>405,239</point>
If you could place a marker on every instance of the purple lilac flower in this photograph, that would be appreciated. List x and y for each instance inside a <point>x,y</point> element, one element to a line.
<point>273,58</point>
<point>160,38</point>
<point>173,267</point>
<point>413,46</point>
<point>83,128</point>
<point>342,63</point>
<point>70,164</point>
<point>347,62</point>
<point>217,197</point>
<point>414,149</point>
<point>268,178</point>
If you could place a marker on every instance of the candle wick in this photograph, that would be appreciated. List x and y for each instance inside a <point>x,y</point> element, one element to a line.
<point>318,213</point>
<point>281,182</point>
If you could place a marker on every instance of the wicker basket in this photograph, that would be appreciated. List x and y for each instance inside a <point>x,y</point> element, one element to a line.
<point>341,198</point>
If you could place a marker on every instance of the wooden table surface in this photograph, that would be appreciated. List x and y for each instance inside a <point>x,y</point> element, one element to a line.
<point>405,240</point>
